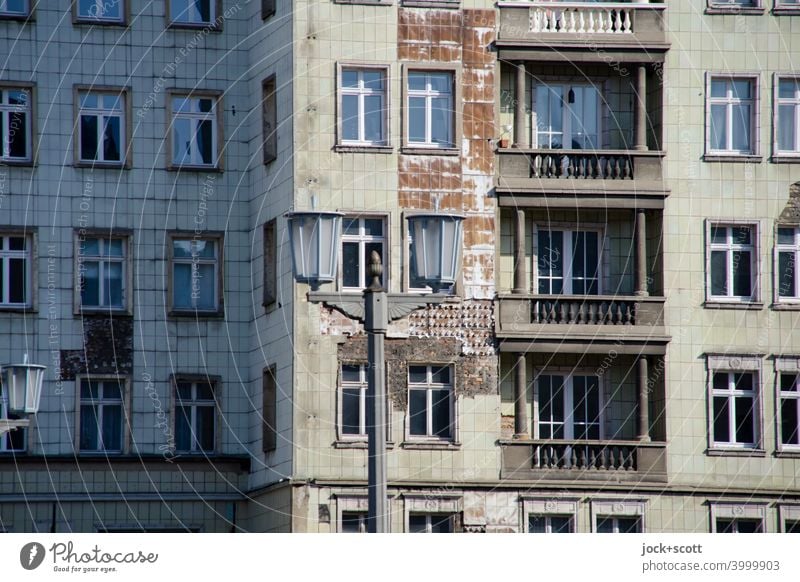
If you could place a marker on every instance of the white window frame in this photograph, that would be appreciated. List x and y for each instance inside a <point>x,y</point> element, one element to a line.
<point>102,261</point>
<point>195,117</point>
<point>789,366</point>
<point>97,10</point>
<point>102,114</point>
<point>5,257</point>
<point>729,247</point>
<point>6,110</point>
<point>175,20</point>
<point>568,374</point>
<point>794,249</point>
<point>429,386</point>
<point>432,503</point>
<point>732,364</point>
<point>618,508</point>
<point>737,511</point>
<point>792,101</point>
<point>569,231</point>
<point>362,92</point>
<point>214,384</point>
<point>729,101</point>
<point>196,260</point>
<point>428,95</point>
<point>566,119</point>
<point>361,385</point>
<point>549,507</point>
<point>123,402</point>
<point>5,12</point>
<point>362,239</point>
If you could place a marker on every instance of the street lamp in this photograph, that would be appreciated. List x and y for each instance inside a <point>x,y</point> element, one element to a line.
<point>435,256</point>
<point>22,391</point>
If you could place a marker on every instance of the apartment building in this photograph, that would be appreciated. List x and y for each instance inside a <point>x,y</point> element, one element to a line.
<point>619,354</point>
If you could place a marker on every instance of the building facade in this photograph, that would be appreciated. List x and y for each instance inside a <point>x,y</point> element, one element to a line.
<point>618,355</point>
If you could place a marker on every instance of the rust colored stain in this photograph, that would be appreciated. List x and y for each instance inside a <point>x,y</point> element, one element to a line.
<point>429,35</point>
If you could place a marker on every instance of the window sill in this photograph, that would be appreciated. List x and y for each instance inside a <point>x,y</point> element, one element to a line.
<point>736,10</point>
<point>733,158</point>
<point>18,309</point>
<point>19,17</point>
<point>194,26</point>
<point>787,454</point>
<point>431,445</point>
<point>20,163</point>
<point>362,149</point>
<point>357,444</point>
<point>749,305</point>
<point>786,158</point>
<point>89,22</point>
<point>102,165</point>
<point>431,3</point>
<point>80,311</point>
<point>785,306</point>
<point>196,314</point>
<point>718,452</point>
<point>214,169</point>
<point>423,151</point>
<point>786,10</point>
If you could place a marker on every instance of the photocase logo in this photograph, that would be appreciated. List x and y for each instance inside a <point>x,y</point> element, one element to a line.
<point>31,555</point>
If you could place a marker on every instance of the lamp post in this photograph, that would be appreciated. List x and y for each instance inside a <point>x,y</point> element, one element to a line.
<point>435,256</point>
<point>22,391</point>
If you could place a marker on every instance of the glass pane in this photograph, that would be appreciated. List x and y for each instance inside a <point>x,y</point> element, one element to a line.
<point>89,390</point>
<point>184,391</point>
<point>373,79</point>
<point>742,282</point>
<point>748,525</point>
<point>181,141</point>
<point>350,78</point>
<point>350,226</point>
<point>744,420</point>
<point>789,427</point>
<point>181,249</point>
<point>790,526</point>
<point>741,89</point>
<point>440,375</point>
<point>440,82</point>
<point>204,391</point>
<point>741,128</point>
<point>203,248</point>
<point>789,383</point>
<point>205,428</point>
<point>788,88</point>
<point>182,104</point>
<point>578,259</point>
<point>204,287</point>
<point>17,285</point>
<point>111,391</point>
<point>183,433</point>
<point>743,381</point>
<point>351,411</point>
<point>441,121</point>
<point>719,273</point>
<point>786,127</point>
<point>441,524</point>
<point>605,525</point>
<point>628,524</point>
<point>204,105</point>
<point>719,88</point>
<point>560,524</point>
<point>786,236</point>
<point>88,137</point>
<point>113,247</point>
<point>441,412</point>
<point>182,286</point>
<point>89,435</point>
<point>350,265</point>
<point>416,119</point>
<point>205,143</point>
<point>722,433</point>
<point>726,526</point>
<point>17,6</point>
<point>416,81</point>
<point>373,227</point>
<point>16,243</point>
<point>350,117</point>
<point>350,373</point>
<point>353,522</point>
<point>417,374</point>
<point>417,405</point>
<point>112,101</point>
<point>90,283</point>
<point>719,235</point>
<point>113,290</point>
<point>719,134</point>
<point>537,524</point>
<point>112,428</point>
<point>112,140</point>
<point>373,118</point>
<point>417,524</point>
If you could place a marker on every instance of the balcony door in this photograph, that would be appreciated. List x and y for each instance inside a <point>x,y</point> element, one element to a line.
<point>569,407</point>
<point>568,261</point>
<point>567,116</point>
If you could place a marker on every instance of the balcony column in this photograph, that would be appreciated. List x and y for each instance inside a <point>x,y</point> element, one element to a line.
<point>643,401</point>
<point>641,109</point>
<point>520,398</point>
<point>520,274</point>
<point>641,253</point>
<point>520,135</point>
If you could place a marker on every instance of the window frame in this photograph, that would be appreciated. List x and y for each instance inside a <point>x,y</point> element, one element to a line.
<point>429,386</point>
<point>31,287</point>
<point>549,507</point>
<point>29,14</point>
<point>598,85</point>
<point>568,374</point>
<point>731,364</point>
<point>433,503</point>
<point>269,119</point>
<point>789,365</point>
<point>602,253</point>
<point>618,508</point>
<point>779,155</point>
<point>728,7</point>
<point>218,145</point>
<point>737,511</point>
<point>269,409</point>
<point>361,385</point>
<point>778,248</point>
<point>125,235</point>
<point>754,155</point>
<point>419,148</point>
<point>123,20</point>
<point>31,136</point>
<point>125,400</point>
<point>215,382</point>
<point>126,129</point>
<point>787,512</point>
<point>363,239</point>
<point>219,288</point>
<point>385,145</point>
<point>270,264</point>
<point>349,503</point>
<point>734,301</point>
<point>215,23</point>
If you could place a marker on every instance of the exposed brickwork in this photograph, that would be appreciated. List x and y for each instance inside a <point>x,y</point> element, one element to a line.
<point>107,348</point>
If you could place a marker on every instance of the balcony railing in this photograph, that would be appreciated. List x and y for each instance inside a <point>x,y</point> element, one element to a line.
<point>581,164</point>
<point>584,459</point>
<point>581,18</point>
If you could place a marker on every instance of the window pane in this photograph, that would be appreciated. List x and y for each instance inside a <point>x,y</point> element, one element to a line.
<point>350,265</point>
<point>790,526</point>
<point>373,79</point>
<point>185,391</point>
<point>719,135</point>
<point>417,374</point>
<point>786,236</point>
<point>88,440</point>
<point>417,412</point>
<point>787,88</point>
<point>351,373</point>
<point>416,81</point>
<point>417,524</point>
<point>353,522</point>
<point>719,273</point>
<point>204,248</point>
<point>748,525</point>
<point>182,286</point>
<point>17,285</point>
<point>17,6</point>
<point>183,433</point>
<point>373,118</point>
<point>441,121</point>
<point>560,524</point>
<point>605,525</point>
<point>744,420</point>
<point>349,78</point>
<point>722,433</point>
<point>789,383</point>
<point>204,287</point>
<point>725,526</point>
<point>182,249</point>
<point>628,524</point>
<point>742,283</point>
<point>440,375</point>
<point>111,391</point>
<point>205,143</point>
<point>351,411</point>
<point>111,140</point>
<point>441,413</point>
<point>719,87</point>
<point>181,141</point>
<point>112,428</point>
<point>786,127</point>
<point>441,524</point>
<point>440,82</point>
<point>17,135</point>
<point>719,234</point>
<point>204,391</point>
<point>89,390</point>
<point>88,137</point>
<point>350,117</point>
<point>90,288</point>
<point>373,227</point>
<point>789,432</point>
<point>416,119</point>
<point>205,428</point>
<point>537,524</point>
<point>741,128</point>
<point>205,105</point>
<point>113,283</point>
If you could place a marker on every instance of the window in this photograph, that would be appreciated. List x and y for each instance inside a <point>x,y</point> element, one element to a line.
<point>734,409</point>
<point>568,261</point>
<point>789,409</point>
<point>13,8</point>
<point>787,253</point>
<point>361,236</point>
<point>15,124</point>
<point>106,11</point>
<point>786,6</point>
<point>364,106</point>
<point>269,117</point>
<point>270,263</point>
<point>102,416</point>
<point>102,272</point>
<point>15,270</point>
<point>611,524</point>
<point>567,116</point>
<point>430,402</point>
<point>195,415</point>
<point>738,518</point>
<point>195,139</point>
<point>192,12</point>
<point>13,441</point>
<point>787,115</point>
<point>732,274</point>
<point>569,407</point>
<point>740,526</point>
<point>267,8</point>
<point>269,431</point>
<point>430,109</point>
<point>430,523</point>
<point>550,524</point>
<point>735,7</point>
<point>101,127</point>
<point>196,277</point>
<point>354,396</point>
<point>732,109</point>
<point>618,516</point>
<point>353,522</point>
<point>789,518</point>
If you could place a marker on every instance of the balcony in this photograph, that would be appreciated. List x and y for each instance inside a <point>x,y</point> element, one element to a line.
<point>601,30</point>
<point>571,460</point>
